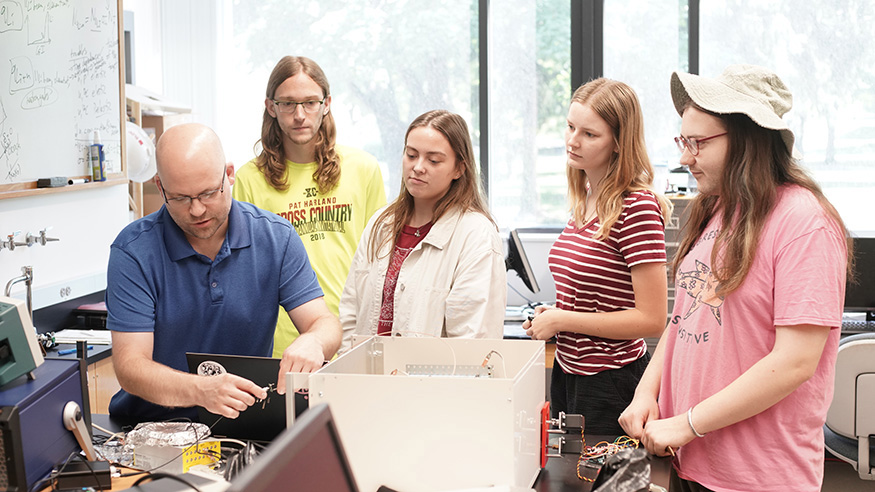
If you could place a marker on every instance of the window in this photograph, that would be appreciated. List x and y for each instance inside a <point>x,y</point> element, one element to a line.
<point>643,50</point>
<point>529,85</point>
<point>823,51</point>
<point>391,62</point>
<point>386,62</point>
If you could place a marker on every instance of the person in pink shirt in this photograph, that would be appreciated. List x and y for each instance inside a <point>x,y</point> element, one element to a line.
<point>742,378</point>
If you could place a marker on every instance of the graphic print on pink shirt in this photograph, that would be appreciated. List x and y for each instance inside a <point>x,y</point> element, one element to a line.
<point>701,285</point>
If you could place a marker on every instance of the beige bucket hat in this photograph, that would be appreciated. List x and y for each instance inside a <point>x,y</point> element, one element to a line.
<point>747,89</point>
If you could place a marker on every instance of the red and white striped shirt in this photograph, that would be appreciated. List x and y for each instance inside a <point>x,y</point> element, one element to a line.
<point>594,276</point>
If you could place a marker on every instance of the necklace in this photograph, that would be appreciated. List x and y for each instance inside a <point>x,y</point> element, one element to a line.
<point>589,209</point>
<point>589,216</point>
<point>421,230</point>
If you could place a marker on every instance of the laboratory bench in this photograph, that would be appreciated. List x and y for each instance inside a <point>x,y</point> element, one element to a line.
<point>560,474</point>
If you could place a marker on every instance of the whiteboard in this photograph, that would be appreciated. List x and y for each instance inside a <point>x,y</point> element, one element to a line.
<point>59,82</point>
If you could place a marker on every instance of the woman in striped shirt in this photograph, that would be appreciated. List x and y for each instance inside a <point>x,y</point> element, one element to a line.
<point>608,263</point>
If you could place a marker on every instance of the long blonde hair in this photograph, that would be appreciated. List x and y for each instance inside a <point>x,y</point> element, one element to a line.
<point>758,162</point>
<point>629,170</point>
<point>465,193</point>
<point>272,161</point>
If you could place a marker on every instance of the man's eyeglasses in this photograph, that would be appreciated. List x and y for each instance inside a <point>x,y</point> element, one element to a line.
<point>292,106</point>
<point>184,201</point>
<point>692,144</point>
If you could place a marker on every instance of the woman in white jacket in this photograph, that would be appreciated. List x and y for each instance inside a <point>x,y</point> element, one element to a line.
<point>430,263</point>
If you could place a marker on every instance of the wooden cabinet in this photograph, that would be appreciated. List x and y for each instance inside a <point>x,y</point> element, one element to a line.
<point>102,384</point>
<point>154,115</point>
<point>550,353</point>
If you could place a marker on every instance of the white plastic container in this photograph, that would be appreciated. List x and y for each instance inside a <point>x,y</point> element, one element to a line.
<point>440,432</point>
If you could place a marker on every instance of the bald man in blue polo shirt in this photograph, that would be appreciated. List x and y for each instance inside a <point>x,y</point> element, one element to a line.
<point>205,273</point>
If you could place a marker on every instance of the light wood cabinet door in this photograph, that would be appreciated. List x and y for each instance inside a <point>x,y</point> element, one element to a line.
<point>102,384</point>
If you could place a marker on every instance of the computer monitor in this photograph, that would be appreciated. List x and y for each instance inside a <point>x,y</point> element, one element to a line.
<point>307,457</point>
<point>860,295</point>
<point>518,261</point>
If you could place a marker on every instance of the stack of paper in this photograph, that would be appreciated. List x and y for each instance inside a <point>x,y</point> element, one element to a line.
<point>99,337</point>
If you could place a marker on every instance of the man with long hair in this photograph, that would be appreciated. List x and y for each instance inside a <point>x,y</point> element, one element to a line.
<point>327,191</point>
<point>742,378</point>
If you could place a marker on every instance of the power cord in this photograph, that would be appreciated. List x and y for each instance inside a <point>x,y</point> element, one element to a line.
<point>528,301</point>
<point>233,460</point>
<point>239,459</point>
<point>489,356</point>
<point>155,476</point>
<point>196,442</point>
<point>52,478</point>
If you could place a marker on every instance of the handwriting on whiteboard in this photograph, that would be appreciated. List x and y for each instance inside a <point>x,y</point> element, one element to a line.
<point>59,83</point>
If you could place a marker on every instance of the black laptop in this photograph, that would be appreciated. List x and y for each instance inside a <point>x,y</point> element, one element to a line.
<point>263,421</point>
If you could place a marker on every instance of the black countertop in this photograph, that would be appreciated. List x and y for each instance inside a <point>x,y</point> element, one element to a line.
<point>96,354</point>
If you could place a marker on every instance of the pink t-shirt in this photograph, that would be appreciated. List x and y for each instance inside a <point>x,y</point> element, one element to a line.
<point>797,277</point>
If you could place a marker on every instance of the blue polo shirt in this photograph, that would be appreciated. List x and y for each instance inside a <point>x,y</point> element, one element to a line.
<point>156,282</point>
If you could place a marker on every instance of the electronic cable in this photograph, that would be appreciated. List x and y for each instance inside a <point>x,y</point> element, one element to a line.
<point>429,335</point>
<point>452,351</point>
<point>53,475</point>
<point>591,456</point>
<point>196,442</point>
<point>489,355</point>
<point>153,476</point>
<point>239,460</point>
<point>104,440</point>
<point>528,301</point>
<point>234,461</point>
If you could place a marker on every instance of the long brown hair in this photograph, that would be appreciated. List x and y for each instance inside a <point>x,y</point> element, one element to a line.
<point>629,170</point>
<point>758,162</point>
<point>271,160</point>
<point>464,194</point>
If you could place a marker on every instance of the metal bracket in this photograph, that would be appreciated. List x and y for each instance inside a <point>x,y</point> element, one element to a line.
<point>449,370</point>
<point>375,355</point>
<point>571,427</point>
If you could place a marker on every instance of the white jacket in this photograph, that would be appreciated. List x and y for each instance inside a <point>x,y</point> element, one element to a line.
<point>453,283</point>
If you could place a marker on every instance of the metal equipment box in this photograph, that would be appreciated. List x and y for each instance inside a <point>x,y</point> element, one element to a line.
<point>33,438</point>
<point>430,414</point>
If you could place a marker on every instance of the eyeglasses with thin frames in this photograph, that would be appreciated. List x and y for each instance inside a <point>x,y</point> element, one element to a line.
<point>184,201</point>
<point>692,144</point>
<point>292,106</point>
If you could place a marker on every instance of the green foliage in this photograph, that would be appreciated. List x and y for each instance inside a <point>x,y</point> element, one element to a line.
<point>553,46</point>
<point>393,60</point>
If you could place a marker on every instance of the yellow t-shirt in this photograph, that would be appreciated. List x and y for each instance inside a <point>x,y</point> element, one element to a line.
<point>330,224</point>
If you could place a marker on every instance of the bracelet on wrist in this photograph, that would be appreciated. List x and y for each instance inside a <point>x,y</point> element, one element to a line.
<point>690,421</point>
